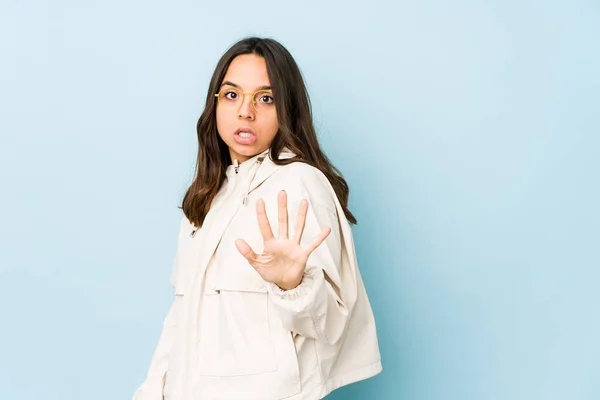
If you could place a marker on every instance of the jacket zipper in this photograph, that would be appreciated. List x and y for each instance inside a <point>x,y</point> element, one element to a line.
<point>246,196</point>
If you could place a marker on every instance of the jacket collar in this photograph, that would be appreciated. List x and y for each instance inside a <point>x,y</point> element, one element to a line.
<point>243,167</point>
<point>268,167</point>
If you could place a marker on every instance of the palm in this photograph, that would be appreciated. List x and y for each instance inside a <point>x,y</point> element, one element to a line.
<point>283,259</point>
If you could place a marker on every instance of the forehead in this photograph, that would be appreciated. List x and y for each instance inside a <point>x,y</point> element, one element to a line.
<point>248,71</point>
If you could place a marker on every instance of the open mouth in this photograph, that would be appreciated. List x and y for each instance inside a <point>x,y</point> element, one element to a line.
<point>244,137</point>
<point>245,134</point>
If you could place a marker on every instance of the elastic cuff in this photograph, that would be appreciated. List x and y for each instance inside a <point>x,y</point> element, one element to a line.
<point>298,298</point>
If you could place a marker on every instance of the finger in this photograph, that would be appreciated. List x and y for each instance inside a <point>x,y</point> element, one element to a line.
<point>263,221</point>
<point>245,249</point>
<point>318,240</point>
<point>283,214</point>
<point>302,211</point>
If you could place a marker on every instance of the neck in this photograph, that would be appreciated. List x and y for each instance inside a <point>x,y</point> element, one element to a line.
<point>241,158</point>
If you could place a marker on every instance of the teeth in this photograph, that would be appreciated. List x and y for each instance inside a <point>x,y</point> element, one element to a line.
<point>245,134</point>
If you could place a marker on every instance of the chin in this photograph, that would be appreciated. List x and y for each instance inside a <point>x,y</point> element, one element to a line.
<point>246,150</point>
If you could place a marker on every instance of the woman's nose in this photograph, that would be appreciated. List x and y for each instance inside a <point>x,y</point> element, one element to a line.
<point>246,110</point>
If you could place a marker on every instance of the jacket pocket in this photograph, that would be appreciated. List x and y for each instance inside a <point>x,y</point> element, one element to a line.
<point>235,337</point>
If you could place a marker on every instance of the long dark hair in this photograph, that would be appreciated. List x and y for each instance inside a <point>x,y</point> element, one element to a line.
<point>296,130</point>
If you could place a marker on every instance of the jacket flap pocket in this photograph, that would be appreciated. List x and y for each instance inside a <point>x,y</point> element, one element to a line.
<point>239,280</point>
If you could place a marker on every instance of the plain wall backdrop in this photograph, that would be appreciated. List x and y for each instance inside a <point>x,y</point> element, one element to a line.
<point>467,131</point>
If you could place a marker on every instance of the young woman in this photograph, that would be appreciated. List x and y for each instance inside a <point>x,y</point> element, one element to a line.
<point>269,302</point>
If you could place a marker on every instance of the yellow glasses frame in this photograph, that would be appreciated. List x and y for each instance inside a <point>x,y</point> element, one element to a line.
<point>268,92</point>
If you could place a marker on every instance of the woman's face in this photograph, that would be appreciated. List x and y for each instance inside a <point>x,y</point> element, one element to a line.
<point>236,113</point>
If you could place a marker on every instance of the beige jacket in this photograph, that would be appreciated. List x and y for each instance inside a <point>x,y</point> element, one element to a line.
<point>231,336</point>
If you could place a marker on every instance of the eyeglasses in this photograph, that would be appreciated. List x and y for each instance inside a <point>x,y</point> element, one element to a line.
<point>230,97</point>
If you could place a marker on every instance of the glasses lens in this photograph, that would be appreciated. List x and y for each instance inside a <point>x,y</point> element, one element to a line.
<point>263,100</point>
<point>230,97</point>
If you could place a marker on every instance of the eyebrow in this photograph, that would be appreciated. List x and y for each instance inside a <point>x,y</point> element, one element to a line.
<point>228,83</point>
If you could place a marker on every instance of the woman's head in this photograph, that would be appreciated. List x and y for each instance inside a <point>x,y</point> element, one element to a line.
<point>246,112</point>
<point>257,64</point>
<point>256,88</point>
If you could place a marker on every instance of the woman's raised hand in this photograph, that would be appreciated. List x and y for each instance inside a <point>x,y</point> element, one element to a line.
<point>283,259</point>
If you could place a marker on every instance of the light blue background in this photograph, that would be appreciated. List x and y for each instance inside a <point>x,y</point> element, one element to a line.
<point>468,132</point>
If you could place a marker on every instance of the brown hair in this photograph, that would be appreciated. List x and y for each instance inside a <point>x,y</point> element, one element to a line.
<point>296,130</point>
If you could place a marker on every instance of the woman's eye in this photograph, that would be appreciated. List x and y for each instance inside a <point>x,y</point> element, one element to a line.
<point>231,95</point>
<point>267,99</point>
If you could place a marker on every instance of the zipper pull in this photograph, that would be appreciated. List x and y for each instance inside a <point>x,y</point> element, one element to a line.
<point>194,232</point>
<point>245,200</point>
<point>236,166</point>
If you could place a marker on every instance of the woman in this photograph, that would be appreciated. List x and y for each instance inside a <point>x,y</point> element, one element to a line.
<point>259,315</point>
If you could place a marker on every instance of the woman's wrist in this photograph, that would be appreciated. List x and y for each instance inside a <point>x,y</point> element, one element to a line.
<point>289,285</point>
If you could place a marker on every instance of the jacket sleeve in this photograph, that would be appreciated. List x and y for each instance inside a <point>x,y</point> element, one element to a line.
<point>320,306</point>
<point>152,387</point>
